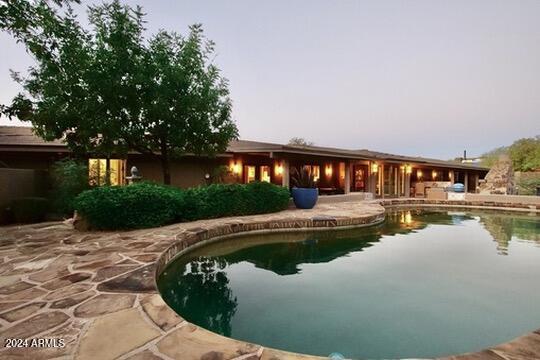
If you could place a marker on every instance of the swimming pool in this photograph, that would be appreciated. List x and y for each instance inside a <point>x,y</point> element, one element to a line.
<point>423,284</point>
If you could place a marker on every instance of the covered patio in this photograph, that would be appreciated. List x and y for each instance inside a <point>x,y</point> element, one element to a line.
<point>339,171</point>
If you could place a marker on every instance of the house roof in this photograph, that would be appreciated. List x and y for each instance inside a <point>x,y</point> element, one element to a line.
<point>23,135</point>
<point>23,138</point>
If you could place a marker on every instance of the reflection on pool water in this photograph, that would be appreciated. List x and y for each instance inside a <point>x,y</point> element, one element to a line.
<point>423,284</point>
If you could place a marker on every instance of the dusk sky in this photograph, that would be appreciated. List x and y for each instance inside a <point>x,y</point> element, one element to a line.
<point>428,78</point>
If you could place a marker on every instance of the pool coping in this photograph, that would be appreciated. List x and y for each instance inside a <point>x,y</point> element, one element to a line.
<point>499,351</point>
<point>130,301</point>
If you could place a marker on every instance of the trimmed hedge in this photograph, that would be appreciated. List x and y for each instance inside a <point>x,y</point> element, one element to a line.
<point>128,207</point>
<point>149,205</point>
<point>220,200</point>
<point>29,209</point>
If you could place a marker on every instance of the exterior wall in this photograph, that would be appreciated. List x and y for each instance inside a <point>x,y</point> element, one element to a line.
<point>17,183</point>
<point>185,172</point>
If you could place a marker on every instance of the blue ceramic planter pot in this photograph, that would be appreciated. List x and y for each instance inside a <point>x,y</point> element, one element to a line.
<point>305,198</point>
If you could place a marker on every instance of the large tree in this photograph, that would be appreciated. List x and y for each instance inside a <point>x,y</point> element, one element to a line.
<point>107,90</point>
<point>186,105</point>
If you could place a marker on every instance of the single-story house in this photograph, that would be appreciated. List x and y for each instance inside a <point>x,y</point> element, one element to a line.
<point>337,171</point>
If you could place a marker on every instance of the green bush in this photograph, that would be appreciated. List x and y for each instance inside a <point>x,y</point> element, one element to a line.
<point>220,200</point>
<point>149,205</point>
<point>70,178</point>
<point>528,186</point>
<point>128,207</point>
<point>29,209</point>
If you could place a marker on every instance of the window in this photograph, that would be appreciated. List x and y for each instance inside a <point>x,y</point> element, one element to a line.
<point>265,173</point>
<point>249,174</point>
<point>97,171</point>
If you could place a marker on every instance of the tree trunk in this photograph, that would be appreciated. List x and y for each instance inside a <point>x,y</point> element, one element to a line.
<point>165,165</point>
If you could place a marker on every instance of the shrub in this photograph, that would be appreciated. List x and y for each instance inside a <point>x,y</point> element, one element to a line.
<point>528,186</point>
<point>70,178</point>
<point>219,200</point>
<point>303,178</point>
<point>29,209</point>
<point>149,205</point>
<point>128,207</point>
<point>263,197</point>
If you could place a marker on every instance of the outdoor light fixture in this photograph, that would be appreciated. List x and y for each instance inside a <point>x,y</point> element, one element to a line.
<point>433,174</point>
<point>419,173</point>
<point>278,169</point>
<point>408,169</point>
<point>328,170</point>
<point>374,168</point>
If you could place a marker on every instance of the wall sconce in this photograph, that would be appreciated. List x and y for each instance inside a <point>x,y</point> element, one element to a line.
<point>328,170</point>
<point>434,174</point>
<point>419,173</point>
<point>278,169</point>
<point>374,168</point>
<point>408,169</point>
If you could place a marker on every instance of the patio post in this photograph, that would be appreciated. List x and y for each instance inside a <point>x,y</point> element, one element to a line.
<point>286,174</point>
<point>347,183</point>
<point>466,182</point>
<point>407,184</point>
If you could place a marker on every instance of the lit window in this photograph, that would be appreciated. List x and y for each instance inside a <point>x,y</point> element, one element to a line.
<point>265,173</point>
<point>98,175</point>
<point>249,172</point>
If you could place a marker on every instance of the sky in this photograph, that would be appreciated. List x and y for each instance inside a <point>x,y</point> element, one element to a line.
<point>428,78</point>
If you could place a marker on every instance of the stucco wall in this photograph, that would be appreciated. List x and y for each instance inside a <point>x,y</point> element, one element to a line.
<point>17,183</point>
<point>185,173</point>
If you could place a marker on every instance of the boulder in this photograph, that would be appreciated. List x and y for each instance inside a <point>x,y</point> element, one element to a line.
<point>500,179</point>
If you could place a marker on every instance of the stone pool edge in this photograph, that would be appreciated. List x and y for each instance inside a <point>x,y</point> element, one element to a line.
<point>524,347</point>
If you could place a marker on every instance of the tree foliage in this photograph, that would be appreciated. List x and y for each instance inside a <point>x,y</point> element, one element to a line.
<point>524,153</point>
<point>107,90</point>
<point>298,141</point>
<point>492,157</point>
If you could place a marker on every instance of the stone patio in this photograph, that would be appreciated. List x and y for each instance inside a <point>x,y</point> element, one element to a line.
<point>96,290</point>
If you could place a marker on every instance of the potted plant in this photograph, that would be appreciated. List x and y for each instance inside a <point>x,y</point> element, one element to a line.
<point>304,192</point>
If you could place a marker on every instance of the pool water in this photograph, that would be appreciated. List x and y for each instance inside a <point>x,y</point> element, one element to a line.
<point>423,284</point>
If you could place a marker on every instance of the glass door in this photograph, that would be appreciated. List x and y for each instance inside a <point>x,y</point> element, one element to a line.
<point>390,180</point>
<point>360,173</point>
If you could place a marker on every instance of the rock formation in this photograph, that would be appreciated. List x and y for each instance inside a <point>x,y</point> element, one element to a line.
<point>500,179</point>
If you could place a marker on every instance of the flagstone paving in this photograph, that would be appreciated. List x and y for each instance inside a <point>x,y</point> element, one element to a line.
<point>96,291</point>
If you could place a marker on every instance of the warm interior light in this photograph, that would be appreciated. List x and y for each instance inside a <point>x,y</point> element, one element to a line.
<point>278,169</point>
<point>236,168</point>
<point>433,174</point>
<point>408,169</point>
<point>406,218</point>
<point>265,173</point>
<point>419,173</point>
<point>374,168</point>
<point>328,170</point>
